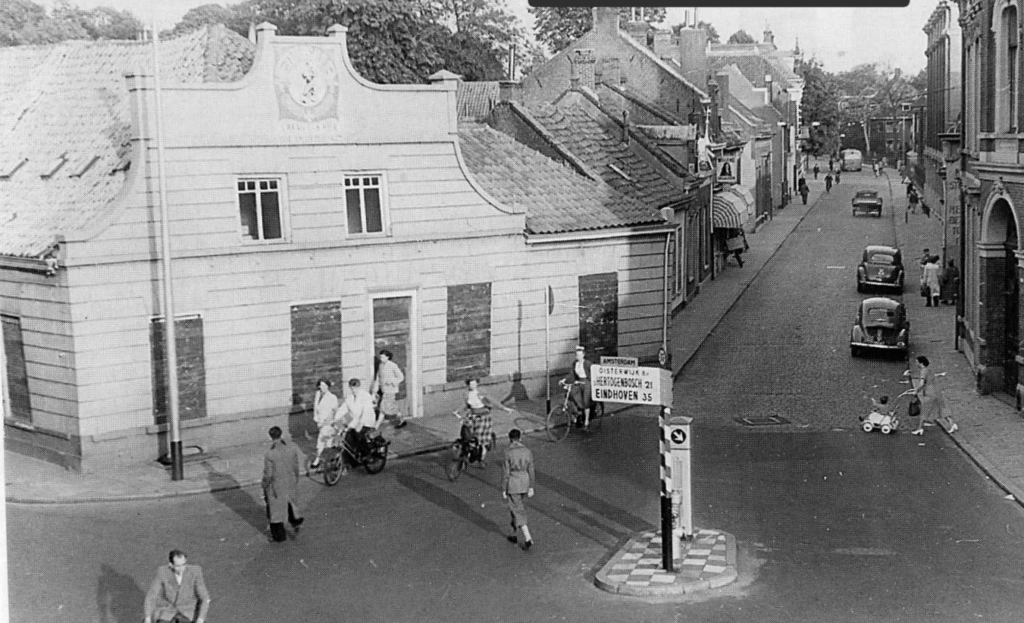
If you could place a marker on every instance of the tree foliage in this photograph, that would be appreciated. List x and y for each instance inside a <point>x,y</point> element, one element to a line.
<point>710,30</point>
<point>741,36</point>
<point>557,27</point>
<point>866,91</point>
<point>101,22</point>
<point>819,105</point>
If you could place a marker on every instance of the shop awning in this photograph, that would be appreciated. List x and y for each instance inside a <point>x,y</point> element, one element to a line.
<point>729,210</point>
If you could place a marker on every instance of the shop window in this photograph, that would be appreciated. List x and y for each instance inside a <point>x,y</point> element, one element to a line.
<point>468,337</point>
<point>188,339</point>
<point>364,207</point>
<point>259,205</point>
<point>16,398</point>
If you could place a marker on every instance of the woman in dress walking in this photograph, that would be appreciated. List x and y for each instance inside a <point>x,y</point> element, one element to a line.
<point>933,404</point>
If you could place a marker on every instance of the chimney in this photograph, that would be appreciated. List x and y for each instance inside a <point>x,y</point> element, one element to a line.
<point>663,46</point>
<point>606,21</point>
<point>252,33</point>
<point>640,31</point>
<point>769,96</point>
<point>715,120</point>
<point>581,72</point>
<point>510,91</point>
<point>722,79</point>
<point>693,60</point>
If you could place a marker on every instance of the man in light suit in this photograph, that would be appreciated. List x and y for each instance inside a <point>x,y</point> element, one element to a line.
<point>517,485</point>
<point>178,594</point>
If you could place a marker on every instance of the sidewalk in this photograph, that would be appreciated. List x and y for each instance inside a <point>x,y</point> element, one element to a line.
<point>30,481</point>
<point>991,431</point>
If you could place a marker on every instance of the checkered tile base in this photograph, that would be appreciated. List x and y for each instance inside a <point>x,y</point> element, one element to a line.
<point>639,563</point>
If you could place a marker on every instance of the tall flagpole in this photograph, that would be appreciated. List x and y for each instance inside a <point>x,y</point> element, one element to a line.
<point>547,339</point>
<point>170,343</point>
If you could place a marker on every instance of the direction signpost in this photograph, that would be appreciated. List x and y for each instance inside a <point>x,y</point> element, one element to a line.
<point>646,386</point>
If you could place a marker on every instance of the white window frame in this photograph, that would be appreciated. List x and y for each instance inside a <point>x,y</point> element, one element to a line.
<point>282,207</point>
<point>1006,102</point>
<point>385,212</point>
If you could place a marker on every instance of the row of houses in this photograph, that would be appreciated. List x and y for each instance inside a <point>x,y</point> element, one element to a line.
<point>973,175</point>
<point>315,218</point>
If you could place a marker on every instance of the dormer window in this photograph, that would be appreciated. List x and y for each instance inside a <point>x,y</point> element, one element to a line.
<point>10,168</point>
<point>54,166</point>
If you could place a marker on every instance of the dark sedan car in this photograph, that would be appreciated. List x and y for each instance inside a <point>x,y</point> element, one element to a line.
<point>881,324</point>
<point>868,202</point>
<point>880,267</point>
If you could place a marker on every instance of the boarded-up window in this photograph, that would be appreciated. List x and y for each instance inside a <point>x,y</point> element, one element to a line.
<point>469,331</point>
<point>599,314</point>
<point>17,396</point>
<point>191,368</point>
<point>316,349</point>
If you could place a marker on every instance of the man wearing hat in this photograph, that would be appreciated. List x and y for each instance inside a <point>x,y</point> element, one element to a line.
<point>579,375</point>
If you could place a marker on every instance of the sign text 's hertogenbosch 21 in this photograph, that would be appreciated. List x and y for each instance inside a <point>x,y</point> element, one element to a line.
<point>634,385</point>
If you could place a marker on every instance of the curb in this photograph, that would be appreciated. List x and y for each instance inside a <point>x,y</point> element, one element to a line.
<point>682,585</point>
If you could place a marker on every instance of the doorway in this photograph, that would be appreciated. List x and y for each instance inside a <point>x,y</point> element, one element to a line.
<point>394,329</point>
<point>1011,296</point>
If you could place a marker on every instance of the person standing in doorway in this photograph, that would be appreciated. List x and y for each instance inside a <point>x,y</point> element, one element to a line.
<point>933,404</point>
<point>281,486</point>
<point>325,406</point>
<point>387,381</point>
<point>178,593</point>
<point>517,485</point>
<point>950,282</point>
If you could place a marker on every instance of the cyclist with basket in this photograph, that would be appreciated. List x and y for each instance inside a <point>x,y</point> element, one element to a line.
<point>477,424</point>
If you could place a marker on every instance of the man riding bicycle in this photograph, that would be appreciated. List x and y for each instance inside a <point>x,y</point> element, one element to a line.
<point>578,382</point>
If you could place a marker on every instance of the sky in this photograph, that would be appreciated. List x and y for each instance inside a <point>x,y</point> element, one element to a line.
<point>840,38</point>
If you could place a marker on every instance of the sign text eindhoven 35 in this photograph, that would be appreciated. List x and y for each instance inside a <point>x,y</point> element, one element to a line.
<point>635,385</point>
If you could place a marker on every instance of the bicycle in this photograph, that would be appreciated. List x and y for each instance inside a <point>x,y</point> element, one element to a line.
<point>337,456</point>
<point>467,450</point>
<point>568,414</point>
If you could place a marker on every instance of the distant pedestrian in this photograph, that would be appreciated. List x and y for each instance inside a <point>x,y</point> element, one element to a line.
<point>930,284</point>
<point>178,593</point>
<point>874,168</point>
<point>950,283</point>
<point>933,404</point>
<point>828,182</point>
<point>517,485</point>
<point>925,256</point>
<point>387,382</point>
<point>817,170</point>
<point>839,173</point>
<point>804,191</point>
<point>281,486</point>
<point>831,164</point>
<point>325,407</point>
<point>914,199</point>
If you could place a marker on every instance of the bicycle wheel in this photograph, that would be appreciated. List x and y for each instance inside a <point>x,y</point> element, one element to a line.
<point>332,469</point>
<point>454,468</point>
<point>376,462</point>
<point>558,423</point>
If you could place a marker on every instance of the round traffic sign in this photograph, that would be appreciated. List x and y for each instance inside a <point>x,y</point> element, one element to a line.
<point>678,436</point>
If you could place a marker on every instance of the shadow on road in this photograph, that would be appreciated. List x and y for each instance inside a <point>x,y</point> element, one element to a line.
<point>593,503</point>
<point>448,501</point>
<point>226,490</point>
<point>118,598</point>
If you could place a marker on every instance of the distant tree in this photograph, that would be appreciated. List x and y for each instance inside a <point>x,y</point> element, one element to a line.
<point>101,22</point>
<point>819,105</point>
<point>557,27</point>
<point>23,22</point>
<point>741,36</point>
<point>237,17</point>
<point>710,30</point>
<point>482,33</point>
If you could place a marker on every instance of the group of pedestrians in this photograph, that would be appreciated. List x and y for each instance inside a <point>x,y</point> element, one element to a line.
<point>939,284</point>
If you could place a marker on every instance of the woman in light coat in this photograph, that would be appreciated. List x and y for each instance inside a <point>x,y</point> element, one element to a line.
<point>933,404</point>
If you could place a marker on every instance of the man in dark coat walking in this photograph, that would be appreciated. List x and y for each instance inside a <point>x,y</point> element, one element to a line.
<point>281,486</point>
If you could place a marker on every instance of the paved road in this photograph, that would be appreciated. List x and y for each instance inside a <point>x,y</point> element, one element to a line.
<point>841,525</point>
<point>833,524</point>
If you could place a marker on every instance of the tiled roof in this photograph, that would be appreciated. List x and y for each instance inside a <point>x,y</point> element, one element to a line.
<point>556,198</point>
<point>605,153</point>
<point>753,66</point>
<point>71,100</point>
<point>476,99</point>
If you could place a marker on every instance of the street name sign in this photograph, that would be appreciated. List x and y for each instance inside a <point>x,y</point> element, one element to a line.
<point>631,385</point>
<point>619,361</point>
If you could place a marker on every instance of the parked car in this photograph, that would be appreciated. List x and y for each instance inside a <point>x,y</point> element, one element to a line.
<point>867,201</point>
<point>881,324</point>
<point>881,266</point>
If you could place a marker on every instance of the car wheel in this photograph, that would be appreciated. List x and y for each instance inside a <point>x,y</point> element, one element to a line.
<point>860,286</point>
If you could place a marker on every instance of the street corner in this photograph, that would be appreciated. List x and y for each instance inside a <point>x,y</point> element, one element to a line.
<point>706,562</point>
